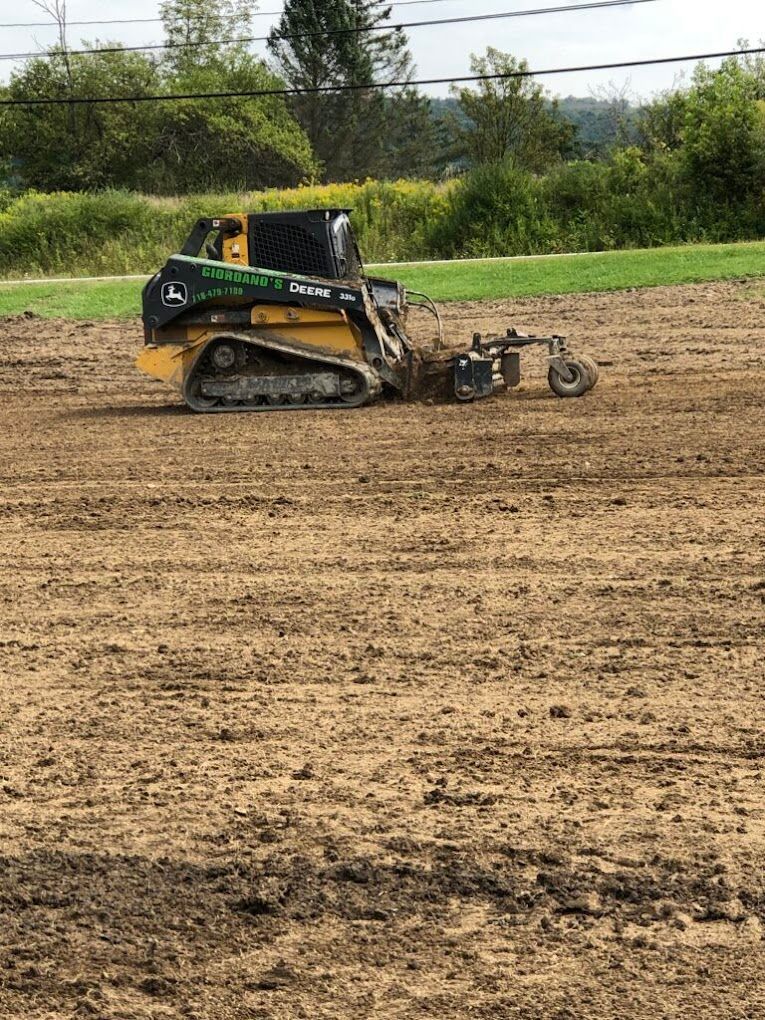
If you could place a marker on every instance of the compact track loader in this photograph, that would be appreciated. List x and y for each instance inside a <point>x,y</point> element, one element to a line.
<point>274,311</point>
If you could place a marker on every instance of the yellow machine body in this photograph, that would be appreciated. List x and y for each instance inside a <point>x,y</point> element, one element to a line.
<point>172,355</point>
<point>294,345</point>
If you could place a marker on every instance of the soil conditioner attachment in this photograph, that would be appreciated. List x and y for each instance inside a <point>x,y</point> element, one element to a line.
<point>274,311</point>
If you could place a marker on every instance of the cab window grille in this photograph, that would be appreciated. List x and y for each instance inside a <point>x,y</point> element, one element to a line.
<point>290,249</point>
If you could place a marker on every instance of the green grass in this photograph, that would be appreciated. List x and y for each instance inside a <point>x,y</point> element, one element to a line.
<point>472,281</point>
<point>594,272</point>
<point>114,300</point>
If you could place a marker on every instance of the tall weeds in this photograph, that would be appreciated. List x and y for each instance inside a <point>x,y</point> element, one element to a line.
<point>495,210</point>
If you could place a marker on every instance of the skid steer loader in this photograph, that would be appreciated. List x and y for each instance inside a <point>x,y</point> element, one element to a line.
<point>274,311</point>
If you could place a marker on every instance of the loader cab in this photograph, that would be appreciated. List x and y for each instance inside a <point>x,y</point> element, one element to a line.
<point>317,243</point>
<point>313,243</point>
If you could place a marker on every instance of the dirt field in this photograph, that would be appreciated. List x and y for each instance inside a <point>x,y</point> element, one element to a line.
<point>408,712</point>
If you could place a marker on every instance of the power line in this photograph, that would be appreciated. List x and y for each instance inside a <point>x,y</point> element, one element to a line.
<point>592,5</point>
<point>158,21</point>
<point>368,86</point>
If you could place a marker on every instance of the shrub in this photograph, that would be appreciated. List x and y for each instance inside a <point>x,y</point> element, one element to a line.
<point>120,232</point>
<point>634,200</point>
<point>496,209</point>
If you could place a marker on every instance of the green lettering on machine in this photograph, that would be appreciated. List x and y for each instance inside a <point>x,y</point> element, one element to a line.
<point>241,276</point>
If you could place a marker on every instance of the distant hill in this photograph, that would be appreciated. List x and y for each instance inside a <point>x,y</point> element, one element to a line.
<point>595,120</point>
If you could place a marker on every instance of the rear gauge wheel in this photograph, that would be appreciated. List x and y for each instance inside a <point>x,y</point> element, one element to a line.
<point>592,367</point>
<point>579,384</point>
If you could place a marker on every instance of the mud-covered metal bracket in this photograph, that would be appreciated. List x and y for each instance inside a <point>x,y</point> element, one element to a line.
<point>473,376</point>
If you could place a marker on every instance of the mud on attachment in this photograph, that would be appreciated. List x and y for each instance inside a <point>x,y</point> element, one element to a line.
<point>473,376</point>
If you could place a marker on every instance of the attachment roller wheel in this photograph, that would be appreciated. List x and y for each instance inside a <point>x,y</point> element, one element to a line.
<point>580,383</point>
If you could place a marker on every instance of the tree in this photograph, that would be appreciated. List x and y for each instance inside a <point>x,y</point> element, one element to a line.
<point>723,133</point>
<point>217,143</point>
<point>5,155</point>
<point>660,124</point>
<point>412,146</point>
<point>308,60</point>
<point>56,10</point>
<point>108,144</point>
<point>618,112</point>
<point>754,65</point>
<point>194,29</point>
<point>330,44</point>
<point>163,147</point>
<point>509,117</point>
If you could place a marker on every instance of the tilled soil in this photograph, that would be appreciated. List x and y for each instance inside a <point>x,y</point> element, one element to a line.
<point>412,711</point>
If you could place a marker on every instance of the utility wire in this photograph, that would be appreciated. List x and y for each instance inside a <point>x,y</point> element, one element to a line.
<point>368,86</point>
<point>158,21</point>
<point>588,6</point>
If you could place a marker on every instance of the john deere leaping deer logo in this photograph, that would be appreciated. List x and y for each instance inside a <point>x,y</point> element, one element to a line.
<point>174,295</point>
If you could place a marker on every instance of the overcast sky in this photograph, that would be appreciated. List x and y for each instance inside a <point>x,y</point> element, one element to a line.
<point>656,29</point>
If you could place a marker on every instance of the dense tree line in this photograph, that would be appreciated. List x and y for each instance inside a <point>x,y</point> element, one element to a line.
<point>266,141</point>
<point>223,143</point>
<point>158,147</point>
<point>535,174</point>
<point>689,166</point>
